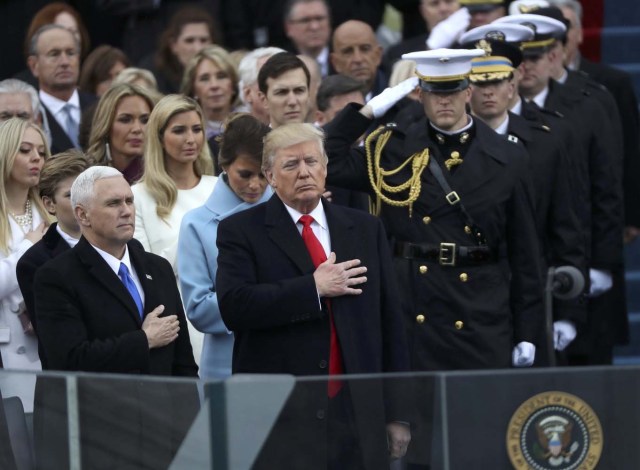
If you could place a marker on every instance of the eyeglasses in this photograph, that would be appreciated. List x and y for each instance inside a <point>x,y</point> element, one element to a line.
<point>307,20</point>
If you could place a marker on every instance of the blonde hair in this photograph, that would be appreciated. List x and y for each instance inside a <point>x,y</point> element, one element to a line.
<point>131,75</point>
<point>155,177</point>
<point>402,70</point>
<point>11,134</point>
<point>287,136</point>
<point>105,115</point>
<point>221,59</point>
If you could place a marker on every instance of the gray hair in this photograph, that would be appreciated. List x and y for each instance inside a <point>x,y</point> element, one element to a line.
<point>248,67</point>
<point>287,136</point>
<point>571,4</point>
<point>12,86</point>
<point>33,42</point>
<point>83,187</point>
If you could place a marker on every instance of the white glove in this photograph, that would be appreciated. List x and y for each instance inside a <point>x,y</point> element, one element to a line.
<point>601,282</point>
<point>384,101</point>
<point>448,31</point>
<point>523,354</point>
<point>564,332</point>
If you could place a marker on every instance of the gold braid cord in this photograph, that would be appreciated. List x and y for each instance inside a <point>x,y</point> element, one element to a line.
<point>419,162</point>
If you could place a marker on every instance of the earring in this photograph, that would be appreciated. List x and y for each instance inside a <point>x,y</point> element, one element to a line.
<point>108,152</point>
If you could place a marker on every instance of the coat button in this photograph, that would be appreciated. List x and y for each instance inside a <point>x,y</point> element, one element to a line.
<point>420,319</point>
<point>459,325</point>
<point>426,220</point>
<point>322,364</point>
<point>320,414</point>
<point>423,269</point>
<point>464,277</point>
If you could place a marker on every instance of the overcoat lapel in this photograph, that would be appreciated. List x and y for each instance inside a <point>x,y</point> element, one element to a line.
<point>285,235</point>
<point>100,270</point>
<point>146,279</point>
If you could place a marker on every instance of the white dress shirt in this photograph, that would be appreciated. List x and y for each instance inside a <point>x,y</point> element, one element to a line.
<point>114,264</point>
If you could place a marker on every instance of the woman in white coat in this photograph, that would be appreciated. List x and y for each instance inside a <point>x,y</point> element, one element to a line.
<point>178,177</point>
<point>241,186</point>
<point>23,222</point>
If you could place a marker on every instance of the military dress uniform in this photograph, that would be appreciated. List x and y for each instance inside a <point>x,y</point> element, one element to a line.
<point>466,301</point>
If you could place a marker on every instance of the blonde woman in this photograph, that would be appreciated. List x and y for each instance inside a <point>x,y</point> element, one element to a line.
<point>119,127</point>
<point>23,222</point>
<point>211,78</point>
<point>178,177</point>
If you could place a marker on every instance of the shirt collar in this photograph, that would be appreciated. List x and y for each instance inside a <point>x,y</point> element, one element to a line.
<point>113,262</point>
<point>66,237</point>
<point>541,97</point>
<point>318,215</point>
<point>503,127</point>
<point>55,105</point>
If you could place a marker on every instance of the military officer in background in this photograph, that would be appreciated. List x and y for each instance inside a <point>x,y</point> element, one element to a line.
<point>493,84</point>
<point>599,178</point>
<point>456,200</point>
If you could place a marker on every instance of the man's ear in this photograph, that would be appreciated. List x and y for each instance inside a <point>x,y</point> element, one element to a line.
<point>49,205</point>
<point>319,118</point>
<point>82,216</point>
<point>263,99</point>
<point>270,178</point>
<point>32,63</point>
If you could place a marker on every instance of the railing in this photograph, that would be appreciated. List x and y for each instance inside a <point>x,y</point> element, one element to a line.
<point>542,418</point>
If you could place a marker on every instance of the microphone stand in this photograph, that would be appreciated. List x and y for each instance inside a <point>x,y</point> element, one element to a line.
<point>548,316</point>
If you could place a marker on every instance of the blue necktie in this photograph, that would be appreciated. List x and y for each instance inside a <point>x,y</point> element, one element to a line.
<point>126,279</point>
<point>71,126</point>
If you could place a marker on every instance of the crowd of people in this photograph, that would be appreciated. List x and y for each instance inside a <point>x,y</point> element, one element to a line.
<point>322,204</point>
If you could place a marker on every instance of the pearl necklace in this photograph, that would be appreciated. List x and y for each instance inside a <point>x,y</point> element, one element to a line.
<point>25,220</point>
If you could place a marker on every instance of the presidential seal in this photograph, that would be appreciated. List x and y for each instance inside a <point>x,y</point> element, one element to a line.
<point>554,431</point>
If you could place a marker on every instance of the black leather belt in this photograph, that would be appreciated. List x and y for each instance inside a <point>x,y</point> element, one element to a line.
<point>446,254</point>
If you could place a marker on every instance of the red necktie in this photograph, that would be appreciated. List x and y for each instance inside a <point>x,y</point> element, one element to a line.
<point>318,256</point>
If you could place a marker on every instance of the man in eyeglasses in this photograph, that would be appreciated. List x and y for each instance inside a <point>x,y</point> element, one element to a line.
<point>307,25</point>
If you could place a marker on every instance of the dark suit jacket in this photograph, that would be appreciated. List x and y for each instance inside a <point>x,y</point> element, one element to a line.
<point>268,298</point>
<point>51,245</point>
<point>59,139</point>
<point>87,321</point>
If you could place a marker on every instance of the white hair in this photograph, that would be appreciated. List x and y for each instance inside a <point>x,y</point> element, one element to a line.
<point>248,67</point>
<point>82,187</point>
<point>13,86</point>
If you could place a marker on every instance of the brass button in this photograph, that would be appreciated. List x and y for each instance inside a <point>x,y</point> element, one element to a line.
<point>467,230</point>
<point>426,220</point>
<point>423,269</point>
<point>459,325</point>
<point>420,319</point>
<point>464,277</point>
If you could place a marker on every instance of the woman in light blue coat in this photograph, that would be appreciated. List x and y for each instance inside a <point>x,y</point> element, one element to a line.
<point>240,186</point>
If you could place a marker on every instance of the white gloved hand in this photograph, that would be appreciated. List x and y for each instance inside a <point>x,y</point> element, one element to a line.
<point>564,332</point>
<point>523,354</point>
<point>601,282</point>
<point>381,103</point>
<point>448,31</point>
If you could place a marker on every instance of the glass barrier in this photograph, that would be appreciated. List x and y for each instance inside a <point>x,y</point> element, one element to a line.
<point>559,419</point>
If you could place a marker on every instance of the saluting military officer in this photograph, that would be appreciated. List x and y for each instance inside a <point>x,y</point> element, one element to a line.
<point>561,239</point>
<point>455,198</point>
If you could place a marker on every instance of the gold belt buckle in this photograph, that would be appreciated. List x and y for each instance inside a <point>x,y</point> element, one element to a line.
<point>447,254</point>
